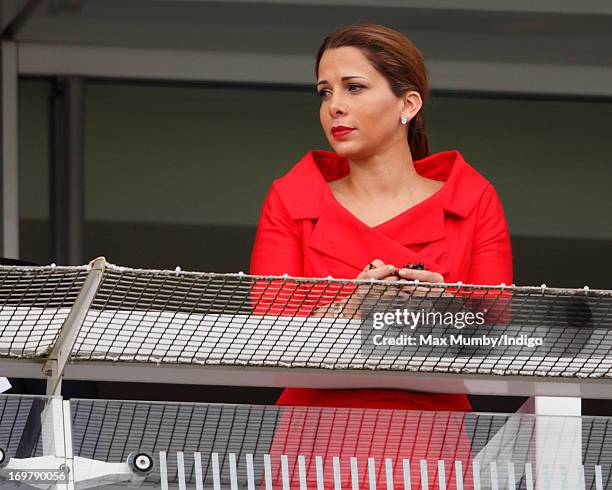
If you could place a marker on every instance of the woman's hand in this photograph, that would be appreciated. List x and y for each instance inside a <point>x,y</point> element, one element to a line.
<point>377,269</point>
<point>422,276</point>
<point>351,306</point>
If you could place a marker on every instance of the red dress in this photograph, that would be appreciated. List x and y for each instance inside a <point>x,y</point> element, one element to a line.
<point>459,232</point>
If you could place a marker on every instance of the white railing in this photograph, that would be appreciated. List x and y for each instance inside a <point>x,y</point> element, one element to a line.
<point>97,443</point>
<point>107,322</point>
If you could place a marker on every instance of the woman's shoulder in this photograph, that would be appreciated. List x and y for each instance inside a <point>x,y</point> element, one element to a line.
<point>448,164</point>
<point>464,187</point>
<point>320,165</point>
<point>303,190</point>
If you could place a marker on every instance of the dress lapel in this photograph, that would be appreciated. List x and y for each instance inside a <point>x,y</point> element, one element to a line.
<point>337,228</point>
<point>423,223</point>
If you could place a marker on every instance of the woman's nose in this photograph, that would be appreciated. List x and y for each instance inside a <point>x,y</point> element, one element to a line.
<point>337,106</point>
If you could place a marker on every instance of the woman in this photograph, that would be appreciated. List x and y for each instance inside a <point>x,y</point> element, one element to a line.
<point>380,200</point>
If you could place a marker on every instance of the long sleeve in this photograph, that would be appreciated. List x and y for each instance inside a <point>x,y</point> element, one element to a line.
<point>278,251</point>
<point>491,261</point>
<point>278,245</point>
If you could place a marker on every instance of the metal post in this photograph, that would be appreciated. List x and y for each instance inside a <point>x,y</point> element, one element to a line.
<point>68,454</point>
<point>558,442</point>
<point>54,366</point>
<point>9,183</point>
<point>67,171</point>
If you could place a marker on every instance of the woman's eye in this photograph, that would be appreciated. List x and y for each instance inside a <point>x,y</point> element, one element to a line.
<point>352,87</point>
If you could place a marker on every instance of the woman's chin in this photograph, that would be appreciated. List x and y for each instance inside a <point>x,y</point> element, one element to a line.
<point>347,150</point>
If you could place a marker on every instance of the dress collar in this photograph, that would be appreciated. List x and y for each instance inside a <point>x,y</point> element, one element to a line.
<point>306,193</point>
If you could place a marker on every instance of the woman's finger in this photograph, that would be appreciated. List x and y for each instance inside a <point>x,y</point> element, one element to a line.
<point>374,265</point>
<point>369,266</point>
<point>381,272</point>
<point>421,275</point>
<point>377,269</point>
<point>425,276</point>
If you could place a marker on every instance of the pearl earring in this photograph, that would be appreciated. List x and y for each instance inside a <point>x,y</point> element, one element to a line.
<point>404,118</point>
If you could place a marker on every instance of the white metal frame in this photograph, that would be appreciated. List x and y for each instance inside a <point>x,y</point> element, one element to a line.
<point>54,366</point>
<point>478,384</point>
<point>57,449</point>
<point>560,388</point>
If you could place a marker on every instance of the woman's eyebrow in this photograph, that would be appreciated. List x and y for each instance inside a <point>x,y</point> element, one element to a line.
<point>343,79</point>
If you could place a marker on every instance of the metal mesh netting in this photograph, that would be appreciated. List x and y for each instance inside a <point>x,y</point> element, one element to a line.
<point>222,442</point>
<point>34,303</point>
<point>235,319</point>
<point>209,319</point>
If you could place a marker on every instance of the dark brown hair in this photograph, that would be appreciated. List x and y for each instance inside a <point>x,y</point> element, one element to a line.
<point>398,60</point>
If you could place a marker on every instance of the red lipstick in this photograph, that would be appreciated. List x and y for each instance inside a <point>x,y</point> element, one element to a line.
<point>339,132</point>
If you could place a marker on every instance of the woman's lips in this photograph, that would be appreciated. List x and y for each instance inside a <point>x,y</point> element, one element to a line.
<point>341,131</point>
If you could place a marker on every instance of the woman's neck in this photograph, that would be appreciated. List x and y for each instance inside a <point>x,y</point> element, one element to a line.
<point>386,174</point>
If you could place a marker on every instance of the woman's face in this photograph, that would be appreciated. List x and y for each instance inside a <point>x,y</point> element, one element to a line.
<point>356,96</point>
